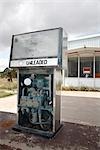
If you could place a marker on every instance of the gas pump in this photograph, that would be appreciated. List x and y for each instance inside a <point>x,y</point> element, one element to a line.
<point>38,58</point>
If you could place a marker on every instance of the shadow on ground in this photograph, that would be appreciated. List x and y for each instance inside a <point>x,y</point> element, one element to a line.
<point>70,137</point>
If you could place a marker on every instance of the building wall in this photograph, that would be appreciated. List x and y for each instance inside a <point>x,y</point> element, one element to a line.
<point>83,48</point>
<point>77,78</point>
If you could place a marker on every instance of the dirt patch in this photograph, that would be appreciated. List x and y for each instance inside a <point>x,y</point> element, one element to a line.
<point>70,137</point>
<point>6,147</point>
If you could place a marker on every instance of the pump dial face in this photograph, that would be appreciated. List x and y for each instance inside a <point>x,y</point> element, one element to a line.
<point>27,81</point>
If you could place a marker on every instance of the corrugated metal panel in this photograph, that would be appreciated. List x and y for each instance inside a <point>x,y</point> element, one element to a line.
<point>89,42</point>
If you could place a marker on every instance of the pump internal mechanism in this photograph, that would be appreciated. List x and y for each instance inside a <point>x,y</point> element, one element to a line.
<point>35,108</point>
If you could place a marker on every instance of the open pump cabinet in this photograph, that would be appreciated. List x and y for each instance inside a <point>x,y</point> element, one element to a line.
<point>38,57</point>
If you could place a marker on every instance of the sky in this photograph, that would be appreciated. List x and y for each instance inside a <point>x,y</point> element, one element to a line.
<point>77,17</point>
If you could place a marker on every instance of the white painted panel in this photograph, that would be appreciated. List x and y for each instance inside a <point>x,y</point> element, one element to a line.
<point>34,62</point>
<point>88,82</point>
<point>71,81</point>
<point>97,82</point>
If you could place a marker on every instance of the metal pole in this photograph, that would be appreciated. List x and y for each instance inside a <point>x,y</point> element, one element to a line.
<point>94,69</point>
<point>78,70</point>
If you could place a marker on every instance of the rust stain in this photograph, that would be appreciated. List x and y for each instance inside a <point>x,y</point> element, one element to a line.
<point>7,123</point>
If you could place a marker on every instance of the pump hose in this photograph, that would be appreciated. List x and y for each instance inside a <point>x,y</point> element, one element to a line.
<point>48,118</point>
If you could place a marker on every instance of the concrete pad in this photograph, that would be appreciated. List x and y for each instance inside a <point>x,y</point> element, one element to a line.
<point>81,94</point>
<point>81,110</point>
<point>9,104</point>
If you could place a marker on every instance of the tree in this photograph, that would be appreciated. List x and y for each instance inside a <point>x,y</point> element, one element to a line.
<point>9,73</point>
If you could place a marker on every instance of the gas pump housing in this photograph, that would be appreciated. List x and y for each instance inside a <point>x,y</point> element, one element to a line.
<point>39,59</point>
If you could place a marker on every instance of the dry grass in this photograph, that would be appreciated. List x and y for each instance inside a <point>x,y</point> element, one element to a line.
<point>4,94</point>
<point>82,88</point>
<point>5,84</point>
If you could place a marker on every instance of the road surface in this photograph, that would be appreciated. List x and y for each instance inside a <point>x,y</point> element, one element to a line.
<point>76,109</point>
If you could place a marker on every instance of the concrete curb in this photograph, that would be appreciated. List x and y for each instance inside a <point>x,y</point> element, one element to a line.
<point>81,94</point>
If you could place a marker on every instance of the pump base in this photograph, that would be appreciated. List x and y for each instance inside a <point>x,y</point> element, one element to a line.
<point>46,134</point>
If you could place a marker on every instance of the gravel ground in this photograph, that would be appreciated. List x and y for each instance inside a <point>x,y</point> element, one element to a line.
<point>71,136</point>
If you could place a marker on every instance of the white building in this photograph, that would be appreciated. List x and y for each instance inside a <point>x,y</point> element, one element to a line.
<point>83,62</point>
